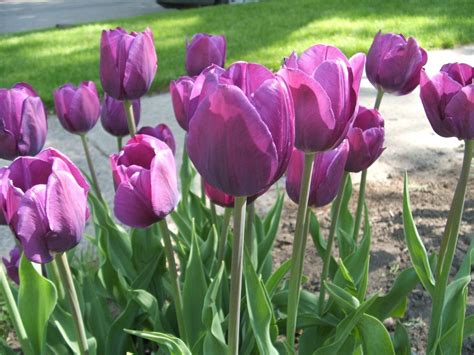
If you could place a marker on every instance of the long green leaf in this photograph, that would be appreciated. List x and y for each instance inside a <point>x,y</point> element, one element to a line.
<point>271,224</point>
<point>345,222</point>
<point>401,340</point>
<point>174,345</point>
<point>375,338</point>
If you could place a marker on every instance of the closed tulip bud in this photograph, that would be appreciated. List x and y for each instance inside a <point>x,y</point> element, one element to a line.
<point>144,175</point>
<point>217,196</point>
<point>163,133</point>
<point>180,91</point>
<point>242,130</point>
<point>327,174</point>
<point>325,88</point>
<point>204,50</point>
<point>23,125</point>
<point>366,137</point>
<point>78,108</point>
<point>114,118</point>
<point>394,64</point>
<point>13,264</point>
<point>448,99</point>
<point>128,63</point>
<point>46,204</point>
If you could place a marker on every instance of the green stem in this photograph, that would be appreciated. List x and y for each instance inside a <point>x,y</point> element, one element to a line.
<point>53,275</point>
<point>68,283</point>
<point>249,228</point>
<point>448,248</point>
<point>213,213</point>
<point>132,127</point>
<point>332,233</point>
<point>14,313</point>
<point>378,99</point>
<point>299,246</point>
<point>119,143</point>
<point>203,192</point>
<point>177,297</point>
<point>236,274</point>
<point>91,166</point>
<point>360,205</point>
<point>223,236</point>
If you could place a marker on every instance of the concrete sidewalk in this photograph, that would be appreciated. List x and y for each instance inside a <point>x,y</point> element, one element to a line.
<point>411,143</point>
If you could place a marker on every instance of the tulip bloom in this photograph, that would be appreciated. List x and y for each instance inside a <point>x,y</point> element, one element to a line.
<point>78,108</point>
<point>218,197</point>
<point>394,64</point>
<point>114,118</point>
<point>23,125</point>
<point>204,50</point>
<point>325,88</point>
<point>46,204</point>
<point>144,174</point>
<point>128,63</point>
<point>327,175</point>
<point>13,264</point>
<point>163,133</point>
<point>242,130</point>
<point>366,137</point>
<point>448,99</point>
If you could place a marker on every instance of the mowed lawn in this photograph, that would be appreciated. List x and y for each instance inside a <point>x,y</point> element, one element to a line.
<point>263,32</point>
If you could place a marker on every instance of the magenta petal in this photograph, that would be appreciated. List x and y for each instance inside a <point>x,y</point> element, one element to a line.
<point>247,76</point>
<point>109,73</point>
<point>84,109</point>
<point>461,110</point>
<point>357,62</point>
<point>34,127</point>
<point>180,91</point>
<point>164,187</point>
<point>462,73</point>
<point>314,56</point>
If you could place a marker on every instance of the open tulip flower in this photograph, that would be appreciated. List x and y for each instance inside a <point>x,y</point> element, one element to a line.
<point>162,132</point>
<point>325,88</point>
<point>23,124</point>
<point>204,50</point>
<point>114,118</point>
<point>46,204</point>
<point>394,63</point>
<point>128,63</point>
<point>448,99</point>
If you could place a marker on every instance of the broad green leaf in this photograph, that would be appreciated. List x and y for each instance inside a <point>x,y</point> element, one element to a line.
<point>209,249</point>
<point>271,224</point>
<point>174,345</point>
<point>417,250</point>
<point>345,222</point>
<point>344,299</point>
<point>36,301</point>
<point>149,305</point>
<point>375,338</point>
<point>183,223</point>
<point>275,280</point>
<point>401,340</point>
<point>146,244</point>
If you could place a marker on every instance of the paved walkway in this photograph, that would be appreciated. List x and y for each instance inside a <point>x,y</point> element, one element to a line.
<point>411,143</point>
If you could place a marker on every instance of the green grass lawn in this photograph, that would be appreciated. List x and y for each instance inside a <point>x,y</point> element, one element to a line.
<point>263,32</point>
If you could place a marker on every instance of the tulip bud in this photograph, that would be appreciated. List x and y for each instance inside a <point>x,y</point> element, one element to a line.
<point>325,88</point>
<point>448,99</point>
<point>163,133</point>
<point>365,138</point>
<point>128,63</point>
<point>114,118</point>
<point>204,50</point>
<point>78,108</point>
<point>394,64</point>
<point>241,133</point>
<point>23,125</point>
<point>327,174</point>
<point>46,204</point>
<point>180,91</point>
<point>13,264</point>
<point>145,180</point>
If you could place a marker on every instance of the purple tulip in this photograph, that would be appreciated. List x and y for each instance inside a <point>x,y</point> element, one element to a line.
<point>204,50</point>
<point>327,175</point>
<point>242,130</point>
<point>46,204</point>
<point>78,108</point>
<point>128,63</point>
<point>163,133</point>
<point>180,93</point>
<point>394,64</point>
<point>366,137</point>
<point>325,88</point>
<point>448,99</point>
<point>217,196</point>
<point>144,175</point>
<point>13,264</point>
<point>114,118</point>
<point>23,124</point>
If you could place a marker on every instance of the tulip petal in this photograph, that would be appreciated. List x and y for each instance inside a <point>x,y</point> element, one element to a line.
<point>34,127</point>
<point>247,76</point>
<point>461,110</point>
<point>357,63</point>
<point>84,109</point>
<point>109,73</point>
<point>314,56</point>
<point>164,189</point>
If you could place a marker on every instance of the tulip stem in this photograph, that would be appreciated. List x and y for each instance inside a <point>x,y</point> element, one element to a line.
<point>203,192</point>
<point>448,248</point>
<point>132,127</point>
<point>360,205</point>
<point>223,236</point>
<point>378,99</point>
<point>53,275</point>
<point>299,246</point>
<point>14,313</point>
<point>332,232</point>
<point>236,274</point>
<point>68,283</point>
<point>177,297</point>
<point>119,143</point>
<point>249,228</point>
<point>91,166</point>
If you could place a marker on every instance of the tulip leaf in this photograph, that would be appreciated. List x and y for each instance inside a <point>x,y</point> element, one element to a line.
<point>375,338</point>
<point>174,345</point>
<point>344,299</point>
<point>401,340</point>
<point>5,349</point>
<point>468,326</point>
<point>276,278</point>
<point>345,222</point>
<point>36,301</point>
<point>417,250</point>
<point>146,244</point>
<point>209,249</point>
<point>183,223</point>
<point>320,243</point>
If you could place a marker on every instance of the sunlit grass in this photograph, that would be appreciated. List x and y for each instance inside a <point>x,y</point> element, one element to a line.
<point>263,32</point>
